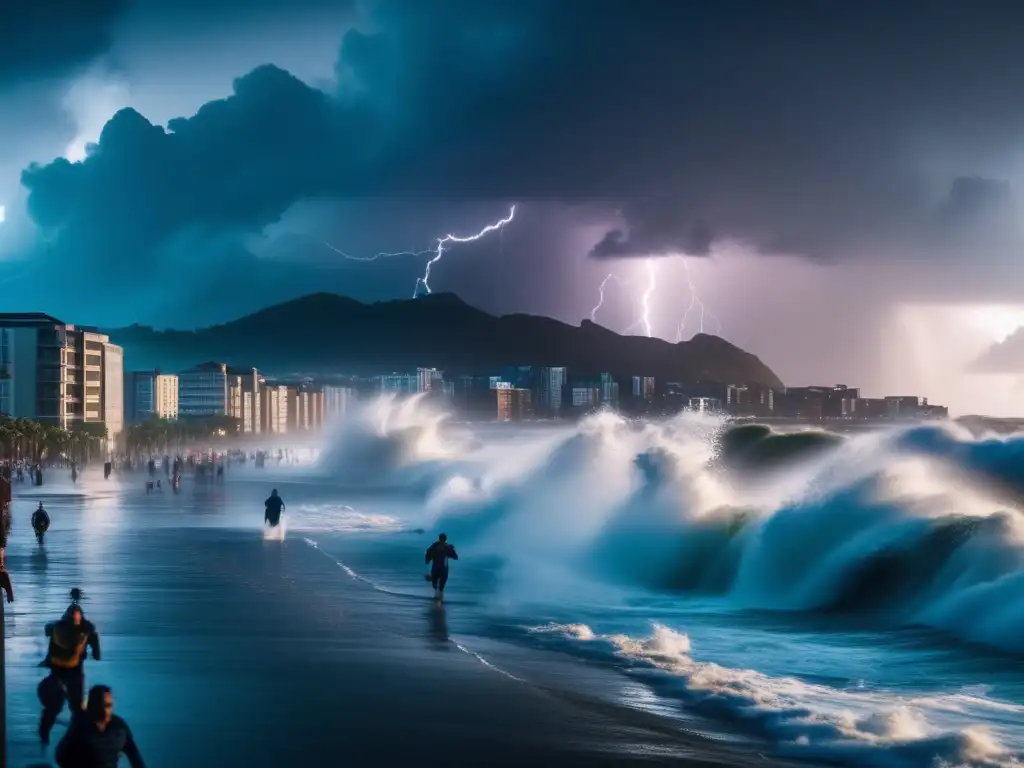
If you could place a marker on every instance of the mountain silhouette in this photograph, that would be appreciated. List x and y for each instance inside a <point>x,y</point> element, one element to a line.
<point>324,333</point>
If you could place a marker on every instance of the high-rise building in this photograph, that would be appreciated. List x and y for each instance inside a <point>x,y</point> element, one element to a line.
<point>609,390</point>
<point>643,387</point>
<point>338,401</point>
<point>203,391</point>
<point>398,383</point>
<point>514,404</point>
<point>428,379</point>
<point>305,408</point>
<point>150,394</point>
<point>112,394</point>
<point>58,373</point>
<point>244,397</point>
<point>584,397</point>
<point>551,391</point>
<point>273,409</point>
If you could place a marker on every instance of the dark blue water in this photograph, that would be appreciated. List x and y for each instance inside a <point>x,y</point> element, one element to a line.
<point>819,606</point>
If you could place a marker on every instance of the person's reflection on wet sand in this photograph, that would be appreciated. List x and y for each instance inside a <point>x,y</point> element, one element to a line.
<point>437,626</point>
<point>38,560</point>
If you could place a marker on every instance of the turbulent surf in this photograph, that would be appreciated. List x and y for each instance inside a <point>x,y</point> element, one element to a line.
<point>859,598</point>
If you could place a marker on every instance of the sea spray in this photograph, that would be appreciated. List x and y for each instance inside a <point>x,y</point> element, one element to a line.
<point>873,522</point>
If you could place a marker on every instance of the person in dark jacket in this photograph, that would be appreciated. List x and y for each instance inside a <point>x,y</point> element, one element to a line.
<point>65,657</point>
<point>40,521</point>
<point>97,737</point>
<point>438,555</point>
<point>274,505</point>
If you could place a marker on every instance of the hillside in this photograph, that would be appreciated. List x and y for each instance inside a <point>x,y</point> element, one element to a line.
<point>325,333</point>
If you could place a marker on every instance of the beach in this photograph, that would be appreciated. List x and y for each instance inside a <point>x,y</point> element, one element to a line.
<point>225,649</point>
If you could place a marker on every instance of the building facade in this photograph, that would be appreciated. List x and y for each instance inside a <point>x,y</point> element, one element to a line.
<point>58,373</point>
<point>112,395</point>
<point>428,379</point>
<point>338,401</point>
<point>244,386</point>
<point>274,409</point>
<point>305,408</point>
<point>551,391</point>
<point>514,404</point>
<point>203,391</point>
<point>150,395</point>
<point>643,387</point>
<point>398,383</point>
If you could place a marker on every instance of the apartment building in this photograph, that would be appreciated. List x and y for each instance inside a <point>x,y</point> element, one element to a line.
<point>338,401</point>
<point>244,386</point>
<point>514,404</point>
<point>305,408</point>
<point>59,373</point>
<point>273,409</point>
<point>203,391</point>
<point>150,395</point>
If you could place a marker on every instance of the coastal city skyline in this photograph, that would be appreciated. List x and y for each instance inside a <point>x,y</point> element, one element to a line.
<point>68,375</point>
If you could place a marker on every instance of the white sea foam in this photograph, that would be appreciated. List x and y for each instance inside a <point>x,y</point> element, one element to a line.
<point>858,727</point>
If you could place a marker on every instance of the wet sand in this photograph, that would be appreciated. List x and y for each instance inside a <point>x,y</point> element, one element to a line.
<point>227,650</point>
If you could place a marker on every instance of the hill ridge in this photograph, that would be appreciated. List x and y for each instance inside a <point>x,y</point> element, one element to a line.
<point>331,333</point>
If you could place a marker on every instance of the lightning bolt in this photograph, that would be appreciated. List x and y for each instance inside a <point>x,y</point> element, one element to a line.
<point>645,301</point>
<point>438,250</point>
<point>643,316</point>
<point>695,305</point>
<point>442,241</point>
<point>600,291</point>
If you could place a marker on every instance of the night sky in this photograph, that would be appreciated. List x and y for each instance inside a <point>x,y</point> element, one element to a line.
<point>839,181</point>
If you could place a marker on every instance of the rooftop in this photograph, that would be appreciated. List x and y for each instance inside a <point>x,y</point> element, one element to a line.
<point>8,319</point>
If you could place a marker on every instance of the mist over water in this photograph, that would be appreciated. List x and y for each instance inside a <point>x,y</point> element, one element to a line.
<point>801,587</point>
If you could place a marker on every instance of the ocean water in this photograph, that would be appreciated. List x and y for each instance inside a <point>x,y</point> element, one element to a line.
<point>859,602</point>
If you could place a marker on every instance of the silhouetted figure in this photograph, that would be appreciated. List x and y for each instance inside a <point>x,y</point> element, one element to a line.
<point>438,555</point>
<point>274,505</point>
<point>65,657</point>
<point>40,522</point>
<point>97,737</point>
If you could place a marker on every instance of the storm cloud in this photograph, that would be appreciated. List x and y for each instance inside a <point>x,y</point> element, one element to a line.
<point>831,131</point>
<point>50,38</point>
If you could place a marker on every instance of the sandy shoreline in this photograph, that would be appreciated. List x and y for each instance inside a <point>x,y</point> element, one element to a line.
<point>224,649</point>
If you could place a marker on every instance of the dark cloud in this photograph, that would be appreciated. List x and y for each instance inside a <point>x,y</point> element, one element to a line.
<point>1006,356</point>
<point>807,130</point>
<point>51,38</point>
<point>656,228</point>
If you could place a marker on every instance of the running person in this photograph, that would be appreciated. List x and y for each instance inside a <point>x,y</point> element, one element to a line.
<point>40,521</point>
<point>69,639</point>
<point>275,506</point>
<point>438,555</point>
